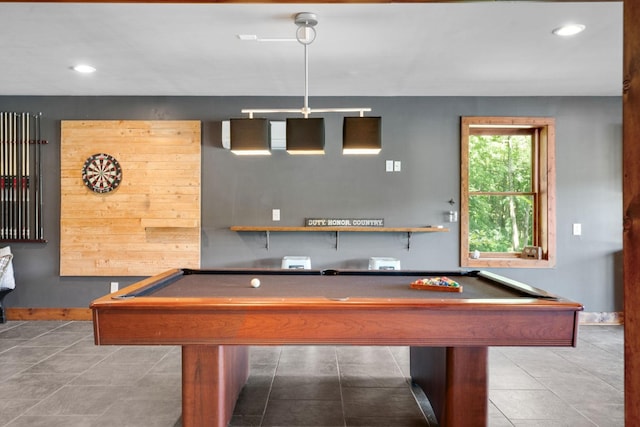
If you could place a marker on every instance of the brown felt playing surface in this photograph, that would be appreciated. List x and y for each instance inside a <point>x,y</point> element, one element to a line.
<point>333,287</point>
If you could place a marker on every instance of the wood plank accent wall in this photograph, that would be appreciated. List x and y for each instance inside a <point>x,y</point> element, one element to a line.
<point>149,224</point>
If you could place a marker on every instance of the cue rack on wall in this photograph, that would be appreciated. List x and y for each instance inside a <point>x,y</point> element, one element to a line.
<point>21,178</point>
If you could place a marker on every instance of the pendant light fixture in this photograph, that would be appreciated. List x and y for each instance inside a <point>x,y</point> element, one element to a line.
<point>362,135</point>
<point>306,135</point>
<point>250,137</point>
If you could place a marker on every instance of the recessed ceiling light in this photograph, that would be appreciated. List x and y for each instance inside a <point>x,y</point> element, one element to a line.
<point>569,30</point>
<point>83,68</point>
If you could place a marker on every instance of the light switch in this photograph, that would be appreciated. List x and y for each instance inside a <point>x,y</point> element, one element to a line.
<point>389,166</point>
<point>577,229</point>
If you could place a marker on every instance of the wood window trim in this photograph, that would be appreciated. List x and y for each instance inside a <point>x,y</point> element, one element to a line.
<point>546,214</point>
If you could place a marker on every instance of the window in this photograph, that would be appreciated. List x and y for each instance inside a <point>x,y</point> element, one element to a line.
<point>507,206</point>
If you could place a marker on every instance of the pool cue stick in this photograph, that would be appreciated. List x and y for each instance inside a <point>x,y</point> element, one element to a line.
<point>14,177</point>
<point>27,186</point>
<point>10,179</point>
<point>23,176</point>
<point>36,181</point>
<point>5,162</point>
<point>2,159</point>
<point>12,173</point>
<point>16,183</point>
<point>19,175</point>
<point>3,171</point>
<point>7,176</point>
<point>40,229</point>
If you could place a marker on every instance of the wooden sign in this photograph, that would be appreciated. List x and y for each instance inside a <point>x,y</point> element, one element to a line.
<point>344,222</point>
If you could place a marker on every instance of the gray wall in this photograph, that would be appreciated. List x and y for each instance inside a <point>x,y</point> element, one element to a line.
<point>422,133</point>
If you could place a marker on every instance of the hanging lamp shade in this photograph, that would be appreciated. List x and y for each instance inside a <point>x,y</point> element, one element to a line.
<point>249,136</point>
<point>362,135</point>
<point>305,136</point>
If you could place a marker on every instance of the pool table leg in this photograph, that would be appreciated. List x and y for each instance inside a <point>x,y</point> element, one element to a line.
<point>212,377</point>
<point>455,381</point>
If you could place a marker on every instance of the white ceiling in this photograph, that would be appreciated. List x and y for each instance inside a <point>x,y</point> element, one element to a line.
<point>478,49</point>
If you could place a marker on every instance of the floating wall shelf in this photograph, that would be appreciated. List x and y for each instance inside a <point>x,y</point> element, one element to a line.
<point>409,230</point>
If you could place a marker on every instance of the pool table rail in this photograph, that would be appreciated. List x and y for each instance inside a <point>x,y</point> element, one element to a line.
<point>330,325</point>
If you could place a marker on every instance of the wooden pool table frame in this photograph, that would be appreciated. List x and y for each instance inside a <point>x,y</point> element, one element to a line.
<point>449,339</point>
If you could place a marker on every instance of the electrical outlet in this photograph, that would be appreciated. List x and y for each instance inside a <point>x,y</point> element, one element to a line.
<point>275,215</point>
<point>397,166</point>
<point>114,287</point>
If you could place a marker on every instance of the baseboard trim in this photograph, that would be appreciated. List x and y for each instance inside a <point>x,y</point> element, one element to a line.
<point>585,317</point>
<point>48,314</point>
<point>601,318</point>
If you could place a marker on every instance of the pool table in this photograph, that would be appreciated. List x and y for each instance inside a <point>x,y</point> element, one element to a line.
<point>216,314</point>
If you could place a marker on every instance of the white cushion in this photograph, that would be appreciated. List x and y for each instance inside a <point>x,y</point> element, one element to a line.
<point>296,262</point>
<point>383,263</point>
<point>8,281</point>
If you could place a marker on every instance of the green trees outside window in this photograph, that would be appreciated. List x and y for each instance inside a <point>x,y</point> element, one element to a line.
<point>501,200</point>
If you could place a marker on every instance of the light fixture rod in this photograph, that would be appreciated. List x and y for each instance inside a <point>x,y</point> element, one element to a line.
<point>306,83</point>
<point>252,111</point>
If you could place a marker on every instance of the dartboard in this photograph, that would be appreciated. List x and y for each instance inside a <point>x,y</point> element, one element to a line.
<point>101,173</point>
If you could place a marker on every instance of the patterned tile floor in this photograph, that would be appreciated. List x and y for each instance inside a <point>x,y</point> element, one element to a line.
<point>51,374</point>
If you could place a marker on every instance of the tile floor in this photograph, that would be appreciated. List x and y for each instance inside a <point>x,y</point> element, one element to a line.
<point>52,375</point>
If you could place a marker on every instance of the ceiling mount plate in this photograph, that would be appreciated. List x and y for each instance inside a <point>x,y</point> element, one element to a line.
<point>308,19</point>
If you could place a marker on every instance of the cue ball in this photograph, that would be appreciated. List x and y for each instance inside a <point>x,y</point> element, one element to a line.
<point>255,283</point>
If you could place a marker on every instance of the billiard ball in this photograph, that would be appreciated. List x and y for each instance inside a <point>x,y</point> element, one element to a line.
<point>255,282</point>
